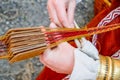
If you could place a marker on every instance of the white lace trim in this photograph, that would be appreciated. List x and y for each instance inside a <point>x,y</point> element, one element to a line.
<point>111,16</point>
<point>116,55</point>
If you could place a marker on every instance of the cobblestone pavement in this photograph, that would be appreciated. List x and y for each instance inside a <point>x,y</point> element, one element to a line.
<point>30,13</point>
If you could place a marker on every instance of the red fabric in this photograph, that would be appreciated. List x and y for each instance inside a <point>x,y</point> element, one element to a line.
<point>99,5</point>
<point>47,74</point>
<point>109,43</point>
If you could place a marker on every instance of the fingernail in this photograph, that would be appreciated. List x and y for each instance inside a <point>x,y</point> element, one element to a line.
<point>52,25</point>
<point>72,25</point>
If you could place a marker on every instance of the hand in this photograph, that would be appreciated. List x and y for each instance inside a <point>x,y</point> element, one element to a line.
<point>59,59</point>
<point>61,12</point>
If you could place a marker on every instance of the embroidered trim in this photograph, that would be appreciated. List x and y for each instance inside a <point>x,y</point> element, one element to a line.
<point>111,16</point>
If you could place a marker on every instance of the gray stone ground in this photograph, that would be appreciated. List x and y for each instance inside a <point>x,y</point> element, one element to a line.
<point>30,13</point>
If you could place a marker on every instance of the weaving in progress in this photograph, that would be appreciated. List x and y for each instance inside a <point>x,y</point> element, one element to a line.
<point>66,51</point>
<point>16,43</point>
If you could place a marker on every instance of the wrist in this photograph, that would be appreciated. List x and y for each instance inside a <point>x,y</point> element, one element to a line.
<point>84,66</point>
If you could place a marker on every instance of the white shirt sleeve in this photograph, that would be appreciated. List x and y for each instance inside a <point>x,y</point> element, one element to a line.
<point>85,67</point>
<point>77,1</point>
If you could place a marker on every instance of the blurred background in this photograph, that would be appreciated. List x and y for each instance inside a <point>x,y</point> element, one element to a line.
<point>31,13</point>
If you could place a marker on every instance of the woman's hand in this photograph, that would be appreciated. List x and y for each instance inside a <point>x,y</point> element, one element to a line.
<point>59,59</point>
<point>61,12</point>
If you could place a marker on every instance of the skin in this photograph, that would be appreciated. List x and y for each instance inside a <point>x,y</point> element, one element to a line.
<point>61,13</point>
<point>61,58</point>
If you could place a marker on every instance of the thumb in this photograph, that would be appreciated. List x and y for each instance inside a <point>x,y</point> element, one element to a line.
<point>52,25</point>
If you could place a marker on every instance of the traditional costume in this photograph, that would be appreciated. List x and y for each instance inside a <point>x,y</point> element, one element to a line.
<point>108,44</point>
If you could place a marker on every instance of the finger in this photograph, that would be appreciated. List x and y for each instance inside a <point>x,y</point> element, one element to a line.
<point>46,60</point>
<point>52,13</point>
<point>52,25</point>
<point>61,13</point>
<point>42,28</point>
<point>70,13</point>
<point>50,65</point>
<point>44,57</point>
<point>42,60</point>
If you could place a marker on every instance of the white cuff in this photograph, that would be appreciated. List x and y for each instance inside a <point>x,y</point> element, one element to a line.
<point>85,67</point>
